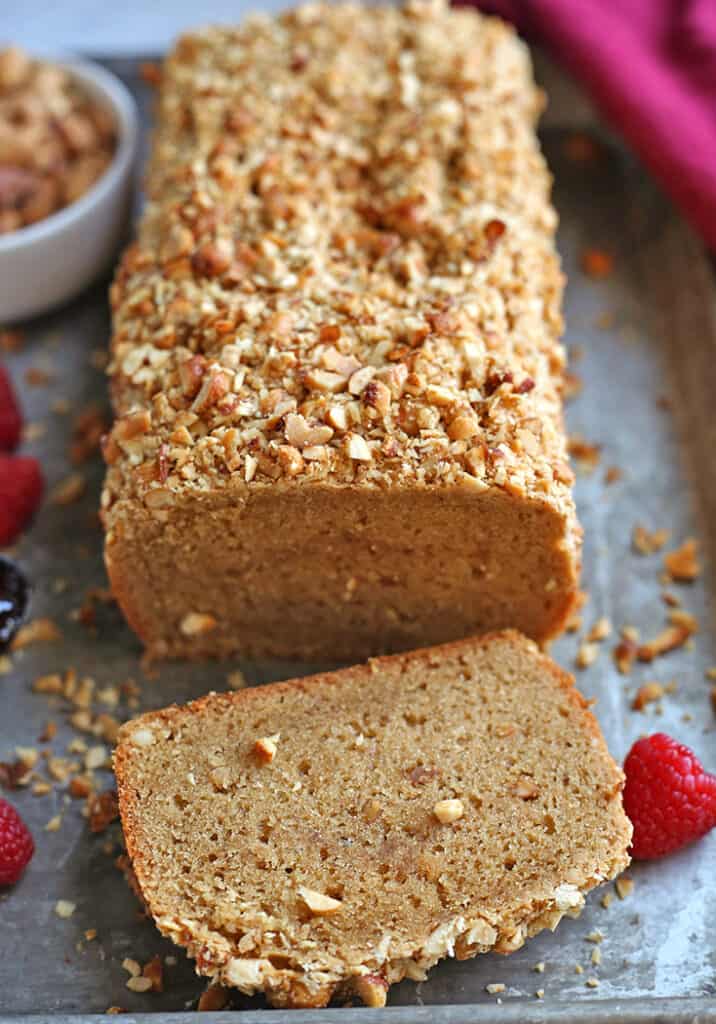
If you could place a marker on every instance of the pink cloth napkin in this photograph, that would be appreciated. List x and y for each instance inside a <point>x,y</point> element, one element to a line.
<point>650,65</point>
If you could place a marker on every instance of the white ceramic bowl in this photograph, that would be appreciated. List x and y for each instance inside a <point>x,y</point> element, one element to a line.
<point>48,263</point>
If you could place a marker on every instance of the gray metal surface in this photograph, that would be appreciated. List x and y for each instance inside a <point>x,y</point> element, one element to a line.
<point>658,954</point>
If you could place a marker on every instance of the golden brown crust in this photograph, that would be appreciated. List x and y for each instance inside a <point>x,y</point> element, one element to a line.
<point>598,853</point>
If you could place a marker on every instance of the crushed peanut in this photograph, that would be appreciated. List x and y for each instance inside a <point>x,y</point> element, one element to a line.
<point>683,565</point>
<point>624,886</point>
<point>265,748</point>
<point>318,903</point>
<point>448,811</point>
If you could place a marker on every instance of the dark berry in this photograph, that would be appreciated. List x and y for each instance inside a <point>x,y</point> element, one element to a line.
<point>14,592</point>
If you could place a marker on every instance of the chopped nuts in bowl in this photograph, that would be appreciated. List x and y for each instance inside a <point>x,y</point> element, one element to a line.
<point>68,133</point>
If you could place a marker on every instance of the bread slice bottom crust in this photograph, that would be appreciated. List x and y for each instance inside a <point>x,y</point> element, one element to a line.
<point>295,839</point>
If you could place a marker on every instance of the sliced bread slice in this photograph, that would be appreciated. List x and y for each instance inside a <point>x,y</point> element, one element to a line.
<point>335,834</point>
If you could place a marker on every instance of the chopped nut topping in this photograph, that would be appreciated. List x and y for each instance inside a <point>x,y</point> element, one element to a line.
<point>448,811</point>
<point>358,449</point>
<point>318,903</point>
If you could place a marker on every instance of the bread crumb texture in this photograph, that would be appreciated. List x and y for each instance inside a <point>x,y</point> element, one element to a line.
<point>344,281</point>
<point>327,871</point>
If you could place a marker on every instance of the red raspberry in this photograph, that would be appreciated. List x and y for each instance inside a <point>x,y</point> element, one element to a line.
<point>16,845</point>
<point>10,418</point>
<point>21,486</point>
<point>669,797</point>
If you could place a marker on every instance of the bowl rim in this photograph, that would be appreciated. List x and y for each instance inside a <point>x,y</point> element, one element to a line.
<point>117,96</point>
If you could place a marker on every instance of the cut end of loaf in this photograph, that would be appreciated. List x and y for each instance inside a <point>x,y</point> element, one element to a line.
<point>446,802</point>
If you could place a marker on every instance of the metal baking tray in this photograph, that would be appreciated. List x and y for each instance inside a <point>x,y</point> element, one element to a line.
<point>647,338</point>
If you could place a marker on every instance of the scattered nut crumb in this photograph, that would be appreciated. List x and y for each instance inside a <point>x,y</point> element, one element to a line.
<point>35,632</point>
<point>539,967</point>
<point>540,993</point>
<point>646,694</point>
<point>572,385</point>
<point>601,629</point>
<point>154,971</point>
<point>597,263</point>
<point>624,886</point>
<point>586,455</point>
<point>596,957</point>
<point>587,655</point>
<point>494,988</point>
<point>592,982</point>
<point>681,626</point>
<point>581,148</point>
<point>132,967</point>
<point>646,543</point>
<point>683,565</point>
<point>68,490</point>
<point>578,969</point>
<point>11,341</point>
<point>606,900</point>
<point>53,825</point>
<point>236,680</point>
<point>140,984</point>
<point>612,475</point>
<point>625,653</point>
<point>64,908</point>
<point>102,810</point>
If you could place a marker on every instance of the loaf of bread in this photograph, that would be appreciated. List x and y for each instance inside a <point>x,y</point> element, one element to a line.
<point>334,834</point>
<point>335,361</point>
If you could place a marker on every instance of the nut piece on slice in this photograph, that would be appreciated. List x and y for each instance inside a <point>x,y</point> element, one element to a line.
<point>265,747</point>
<point>318,903</point>
<point>372,990</point>
<point>197,624</point>
<point>447,811</point>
